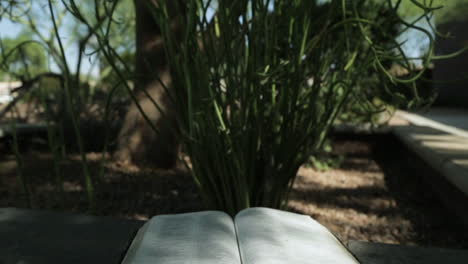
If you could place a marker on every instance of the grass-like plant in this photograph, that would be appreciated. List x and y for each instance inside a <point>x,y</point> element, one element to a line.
<point>257,84</point>
<point>23,181</point>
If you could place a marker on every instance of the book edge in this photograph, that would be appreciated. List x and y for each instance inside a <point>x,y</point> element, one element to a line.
<point>343,245</point>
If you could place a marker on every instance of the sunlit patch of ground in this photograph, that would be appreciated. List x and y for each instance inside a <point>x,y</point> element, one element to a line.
<point>353,203</point>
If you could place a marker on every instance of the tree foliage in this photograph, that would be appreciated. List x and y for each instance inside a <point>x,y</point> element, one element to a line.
<point>22,58</point>
<point>71,35</point>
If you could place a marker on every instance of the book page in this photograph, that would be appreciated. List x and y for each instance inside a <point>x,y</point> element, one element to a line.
<point>202,237</point>
<point>269,236</point>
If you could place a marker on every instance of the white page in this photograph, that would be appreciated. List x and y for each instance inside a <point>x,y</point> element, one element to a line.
<point>197,238</point>
<point>268,236</point>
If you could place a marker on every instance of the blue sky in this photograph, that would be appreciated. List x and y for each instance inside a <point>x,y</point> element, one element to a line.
<point>10,29</point>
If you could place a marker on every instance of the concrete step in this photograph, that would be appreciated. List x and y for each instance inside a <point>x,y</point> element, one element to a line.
<point>441,140</point>
<point>376,253</point>
<point>45,237</point>
<point>21,130</point>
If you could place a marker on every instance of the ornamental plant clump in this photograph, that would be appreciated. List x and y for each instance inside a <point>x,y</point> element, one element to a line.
<point>257,84</point>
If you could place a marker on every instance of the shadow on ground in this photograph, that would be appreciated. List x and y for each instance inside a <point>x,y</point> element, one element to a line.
<point>377,196</point>
<point>121,190</point>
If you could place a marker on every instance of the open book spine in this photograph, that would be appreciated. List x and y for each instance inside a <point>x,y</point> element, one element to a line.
<point>258,236</point>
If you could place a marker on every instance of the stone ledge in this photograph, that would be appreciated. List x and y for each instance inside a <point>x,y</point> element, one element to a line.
<point>36,236</point>
<point>443,145</point>
<point>22,130</point>
<point>376,253</point>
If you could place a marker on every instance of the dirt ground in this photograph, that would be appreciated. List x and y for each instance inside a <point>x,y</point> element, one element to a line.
<point>376,196</point>
<point>373,196</point>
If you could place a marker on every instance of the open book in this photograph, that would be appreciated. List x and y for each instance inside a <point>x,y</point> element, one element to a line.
<point>254,236</point>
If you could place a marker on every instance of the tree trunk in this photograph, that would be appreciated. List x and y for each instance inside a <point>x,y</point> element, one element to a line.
<point>138,143</point>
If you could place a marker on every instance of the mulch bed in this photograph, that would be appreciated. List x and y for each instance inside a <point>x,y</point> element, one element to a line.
<point>375,195</point>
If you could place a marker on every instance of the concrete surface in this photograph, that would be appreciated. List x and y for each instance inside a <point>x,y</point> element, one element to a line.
<point>454,117</point>
<point>22,130</point>
<point>446,153</point>
<point>376,253</point>
<point>43,237</point>
<point>450,120</point>
<point>440,137</point>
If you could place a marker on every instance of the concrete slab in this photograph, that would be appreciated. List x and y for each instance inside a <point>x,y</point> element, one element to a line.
<point>375,253</point>
<point>22,130</point>
<point>440,137</point>
<point>36,237</point>
<point>454,117</point>
<point>444,152</point>
<point>449,120</point>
